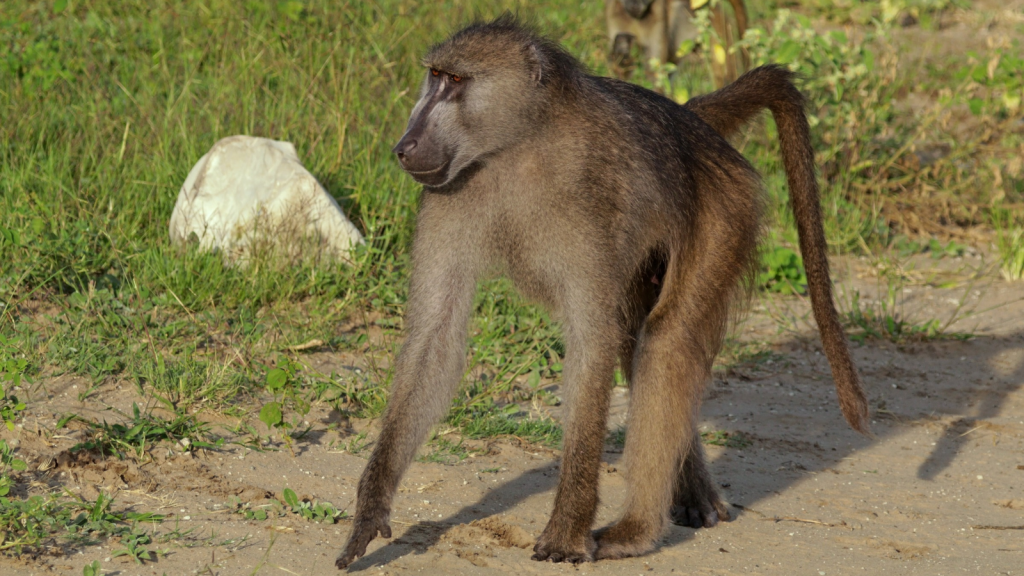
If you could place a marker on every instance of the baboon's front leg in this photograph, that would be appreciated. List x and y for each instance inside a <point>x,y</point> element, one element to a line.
<point>427,373</point>
<point>590,362</point>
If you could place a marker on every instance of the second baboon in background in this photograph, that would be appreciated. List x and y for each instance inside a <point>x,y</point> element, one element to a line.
<point>659,27</point>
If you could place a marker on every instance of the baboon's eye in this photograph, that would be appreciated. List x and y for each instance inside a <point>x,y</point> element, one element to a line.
<point>434,72</point>
<point>456,78</point>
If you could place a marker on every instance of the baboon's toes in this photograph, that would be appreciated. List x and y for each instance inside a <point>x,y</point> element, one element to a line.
<point>707,515</point>
<point>575,557</point>
<point>622,541</point>
<point>570,557</point>
<point>555,551</point>
<point>363,530</point>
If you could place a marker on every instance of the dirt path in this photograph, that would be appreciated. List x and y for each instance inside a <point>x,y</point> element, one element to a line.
<point>929,494</point>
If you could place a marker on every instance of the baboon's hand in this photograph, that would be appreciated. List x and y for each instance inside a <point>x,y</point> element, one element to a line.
<point>363,530</point>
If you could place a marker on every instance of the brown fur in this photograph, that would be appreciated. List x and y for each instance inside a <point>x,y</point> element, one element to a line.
<point>659,27</point>
<point>630,218</point>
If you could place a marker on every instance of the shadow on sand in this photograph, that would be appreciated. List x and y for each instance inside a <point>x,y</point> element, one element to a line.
<point>965,397</point>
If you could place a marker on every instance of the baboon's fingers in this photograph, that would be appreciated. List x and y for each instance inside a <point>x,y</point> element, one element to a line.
<point>362,534</point>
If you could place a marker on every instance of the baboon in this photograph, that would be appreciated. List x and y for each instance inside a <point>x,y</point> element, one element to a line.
<point>634,221</point>
<point>659,27</point>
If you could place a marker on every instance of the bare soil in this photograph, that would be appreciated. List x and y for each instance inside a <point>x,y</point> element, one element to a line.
<point>938,489</point>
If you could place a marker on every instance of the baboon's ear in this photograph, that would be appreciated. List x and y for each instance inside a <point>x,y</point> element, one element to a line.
<point>535,61</point>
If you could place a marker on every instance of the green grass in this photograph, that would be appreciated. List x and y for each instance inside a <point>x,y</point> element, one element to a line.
<point>544,432</point>
<point>42,522</point>
<point>864,13</point>
<point>1010,243</point>
<point>617,438</point>
<point>727,439</point>
<point>12,372</point>
<point>140,433</point>
<point>885,316</point>
<point>310,510</point>
<point>446,451</point>
<point>107,106</point>
<point>1011,253</point>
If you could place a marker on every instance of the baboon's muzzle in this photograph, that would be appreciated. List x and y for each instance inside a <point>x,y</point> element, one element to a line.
<point>422,158</point>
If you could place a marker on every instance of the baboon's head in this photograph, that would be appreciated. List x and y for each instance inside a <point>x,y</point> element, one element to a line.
<point>487,88</point>
<point>637,8</point>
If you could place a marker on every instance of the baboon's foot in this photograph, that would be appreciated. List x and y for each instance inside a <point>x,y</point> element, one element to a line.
<point>624,540</point>
<point>703,509</point>
<point>564,548</point>
<point>363,530</point>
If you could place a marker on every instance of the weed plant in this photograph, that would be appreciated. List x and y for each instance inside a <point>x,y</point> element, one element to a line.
<point>40,523</point>
<point>140,433</point>
<point>1010,244</point>
<point>310,510</point>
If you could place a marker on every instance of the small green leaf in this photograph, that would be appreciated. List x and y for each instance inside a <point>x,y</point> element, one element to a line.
<point>291,498</point>
<point>65,419</point>
<point>271,415</point>
<point>788,52</point>
<point>533,380</point>
<point>134,431</point>
<point>276,379</point>
<point>291,10</point>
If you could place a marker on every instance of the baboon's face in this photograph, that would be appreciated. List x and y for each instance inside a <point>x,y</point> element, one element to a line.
<point>637,8</point>
<point>466,111</point>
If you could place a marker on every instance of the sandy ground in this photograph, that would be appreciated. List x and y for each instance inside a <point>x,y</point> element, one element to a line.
<point>938,490</point>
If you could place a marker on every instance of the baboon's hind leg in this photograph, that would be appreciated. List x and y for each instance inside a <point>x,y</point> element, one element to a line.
<point>671,365</point>
<point>664,391</point>
<point>696,502</point>
<point>640,300</point>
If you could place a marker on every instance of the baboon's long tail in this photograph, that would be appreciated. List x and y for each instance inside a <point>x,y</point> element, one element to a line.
<point>727,110</point>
